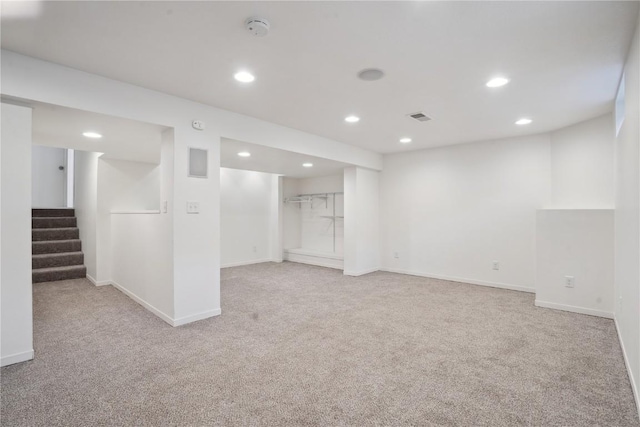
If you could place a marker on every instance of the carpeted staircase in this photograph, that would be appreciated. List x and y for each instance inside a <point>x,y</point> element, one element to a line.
<point>55,246</point>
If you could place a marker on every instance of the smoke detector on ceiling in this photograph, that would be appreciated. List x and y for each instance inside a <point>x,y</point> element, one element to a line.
<point>419,116</point>
<point>259,27</point>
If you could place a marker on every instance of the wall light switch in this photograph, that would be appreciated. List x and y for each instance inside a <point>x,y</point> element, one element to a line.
<point>496,265</point>
<point>569,281</point>
<point>193,207</point>
<point>165,206</point>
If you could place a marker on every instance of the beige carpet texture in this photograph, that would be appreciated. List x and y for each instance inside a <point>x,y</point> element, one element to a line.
<point>298,345</point>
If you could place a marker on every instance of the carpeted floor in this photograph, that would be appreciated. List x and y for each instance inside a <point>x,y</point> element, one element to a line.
<point>302,345</point>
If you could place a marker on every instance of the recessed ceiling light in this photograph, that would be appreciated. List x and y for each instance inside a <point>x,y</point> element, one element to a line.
<point>371,74</point>
<point>352,119</point>
<point>93,135</point>
<point>307,165</point>
<point>405,140</point>
<point>244,154</point>
<point>524,121</point>
<point>244,77</point>
<point>497,82</point>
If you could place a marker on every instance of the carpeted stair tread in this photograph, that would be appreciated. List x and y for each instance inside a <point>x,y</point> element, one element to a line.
<point>66,233</point>
<point>52,274</point>
<point>58,212</point>
<point>54,222</point>
<point>61,259</point>
<point>55,246</point>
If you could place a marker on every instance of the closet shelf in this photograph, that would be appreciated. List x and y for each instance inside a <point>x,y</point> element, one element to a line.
<point>332,216</point>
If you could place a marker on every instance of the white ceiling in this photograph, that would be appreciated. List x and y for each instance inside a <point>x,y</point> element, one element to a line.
<point>124,139</point>
<point>564,60</point>
<point>273,160</point>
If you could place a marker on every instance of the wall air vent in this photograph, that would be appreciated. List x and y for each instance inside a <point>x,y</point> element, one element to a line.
<point>421,117</point>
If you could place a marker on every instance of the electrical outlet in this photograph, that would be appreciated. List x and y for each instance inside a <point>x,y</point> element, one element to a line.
<point>396,255</point>
<point>496,265</point>
<point>569,281</point>
<point>193,207</point>
<point>255,249</point>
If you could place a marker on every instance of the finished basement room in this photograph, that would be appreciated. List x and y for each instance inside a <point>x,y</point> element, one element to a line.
<point>304,213</point>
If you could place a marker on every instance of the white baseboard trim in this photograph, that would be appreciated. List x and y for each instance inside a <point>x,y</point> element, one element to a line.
<point>634,387</point>
<point>195,317</point>
<point>360,273</point>
<point>320,261</point>
<point>100,283</point>
<point>253,261</point>
<point>463,280</point>
<point>170,320</point>
<point>143,303</point>
<point>16,358</point>
<point>574,309</point>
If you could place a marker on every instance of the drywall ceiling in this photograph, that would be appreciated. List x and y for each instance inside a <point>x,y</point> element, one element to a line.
<point>123,139</point>
<point>273,160</point>
<point>564,60</point>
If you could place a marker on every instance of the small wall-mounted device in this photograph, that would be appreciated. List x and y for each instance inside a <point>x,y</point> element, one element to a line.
<point>259,27</point>
<point>193,207</point>
<point>197,124</point>
<point>197,163</point>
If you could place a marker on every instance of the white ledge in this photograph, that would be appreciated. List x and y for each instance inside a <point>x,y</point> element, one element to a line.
<point>143,212</point>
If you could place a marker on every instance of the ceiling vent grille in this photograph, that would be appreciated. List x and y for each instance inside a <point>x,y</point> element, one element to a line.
<point>421,117</point>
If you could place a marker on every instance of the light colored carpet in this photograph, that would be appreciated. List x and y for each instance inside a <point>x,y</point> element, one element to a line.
<point>302,345</point>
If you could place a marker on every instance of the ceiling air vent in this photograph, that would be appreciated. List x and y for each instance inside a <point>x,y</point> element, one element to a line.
<point>421,117</point>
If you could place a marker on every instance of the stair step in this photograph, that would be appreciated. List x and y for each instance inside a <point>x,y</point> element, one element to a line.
<point>53,274</point>
<point>57,260</point>
<point>55,246</point>
<point>58,212</point>
<point>54,222</point>
<point>40,234</point>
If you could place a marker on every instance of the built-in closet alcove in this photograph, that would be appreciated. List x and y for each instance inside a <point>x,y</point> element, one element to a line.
<point>313,220</point>
<point>278,205</point>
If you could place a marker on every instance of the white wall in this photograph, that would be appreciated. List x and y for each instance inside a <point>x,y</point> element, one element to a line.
<point>276,222</point>
<point>582,162</point>
<point>16,340</point>
<point>627,218</point>
<point>246,211</point>
<point>577,243</point>
<point>292,219</point>
<point>141,263</point>
<point>122,186</point>
<point>361,221</point>
<point>140,244</point>
<point>129,186</point>
<point>450,212</point>
<point>48,182</point>
<point>86,207</point>
<point>321,184</point>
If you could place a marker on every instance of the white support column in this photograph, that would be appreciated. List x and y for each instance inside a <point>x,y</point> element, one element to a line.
<point>15,229</point>
<point>196,250</point>
<point>276,222</point>
<point>361,221</point>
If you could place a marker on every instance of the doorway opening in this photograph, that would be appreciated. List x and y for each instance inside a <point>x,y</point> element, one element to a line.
<point>279,205</point>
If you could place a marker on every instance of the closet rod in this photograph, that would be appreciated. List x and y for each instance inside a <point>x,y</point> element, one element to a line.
<point>318,194</point>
